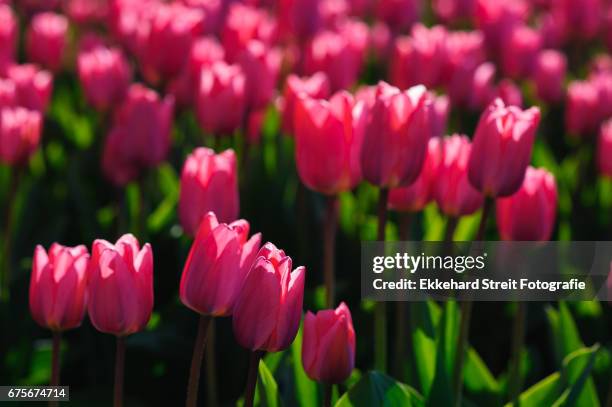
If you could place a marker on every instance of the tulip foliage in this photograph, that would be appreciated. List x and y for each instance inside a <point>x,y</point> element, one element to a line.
<point>237,152</point>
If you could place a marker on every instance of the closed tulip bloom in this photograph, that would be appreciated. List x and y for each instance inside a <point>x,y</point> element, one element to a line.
<point>58,286</point>
<point>300,19</point>
<point>604,149</point>
<point>496,19</point>
<point>218,262</point>
<point>581,110</point>
<point>520,51</point>
<point>465,52</point>
<point>33,86</point>
<point>8,93</point>
<point>441,109</point>
<point>329,135</point>
<point>398,128</point>
<point>221,98</point>
<point>165,48</point>
<point>209,183</point>
<point>452,190</point>
<point>261,66</point>
<point>87,11</point>
<point>46,40</point>
<point>454,10</point>
<point>548,75</point>
<point>530,213</point>
<point>120,286</point>
<point>399,14</point>
<point>578,18</point>
<point>509,93</point>
<point>328,347</point>
<point>8,35</point>
<point>315,86</point>
<point>140,136</point>
<point>105,76</point>
<point>127,19</point>
<point>415,197</point>
<point>501,148</point>
<point>269,308</point>
<point>20,131</point>
<point>243,24</point>
<point>482,86</point>
<point>214,13</point>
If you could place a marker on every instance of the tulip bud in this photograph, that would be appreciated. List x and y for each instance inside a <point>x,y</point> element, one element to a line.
<point>482,90</point>
<point>214,13</point>
<point>58,283</point>
<point>269,307</point>
<point>209,183</point>
<point>8,35</point>
<point>120,286</point>
<point>127,19</point>
<point>519,53</point>
<point>501,148</point>
<point>218,262</point>
<point>581,18</point>
<point>261,66</point>
<point>328,347</point>
<point>465,52</point>
<point>315,86</point>
<point>33,86</point>
<point>452,190</point>
<point>105,76</point>
<point>140,136</point>
<point>87,11</point>
<point>221,98</point>
<point>20,131</point>
<point>243,24</point>
<point>300,19</point>
<point>8,93</point>
<point>509,93</point>
<point>604,149</point>
<point>398,128</point>
<point>496,19</point>
<point>548,75</point>
<point>454,10</point>
<point>329,132</point>
<point>399,14</point>
<point>415,197</point>
<point>530,213</point>
<point>441,108</point>
<point>46,40</point>
<point>581,114</point>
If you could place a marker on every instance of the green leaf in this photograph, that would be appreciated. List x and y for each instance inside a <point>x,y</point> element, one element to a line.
<point>306,390</point>
<point>377,389</point>
<point>267,390</point>
<point>479,382</point>
<point>424,317</point>
<point>442,389</point>
<point>435,224</point>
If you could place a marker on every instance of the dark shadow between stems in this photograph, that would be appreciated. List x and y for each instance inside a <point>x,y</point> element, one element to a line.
<point>196,361</point>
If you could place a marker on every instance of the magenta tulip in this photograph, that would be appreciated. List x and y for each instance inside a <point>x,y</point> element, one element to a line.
<point>20,131</point>
<point>261,67</point>
<point>120,286</point>
<point>105,76</point>
<point>415,197</point>
<point>581,114</point>
<point>452,190</point>
<point>299,19</point>
<point>218,262</point>
<point>548,75</point>
<point>399,14</point>
<point>58,286</point>
<point>8,35</point>
<point>519,52</point>
<point>530,213</point>
<point>465,52</point>
<point>482,90</point>
<point>398,128</point>
<point>604,149</point>
<point>140,136</point>
<point>33,86</point>
<point>328,347</point>
<point>221,98</point>
<point>509,93</point>
<point>243,24</point>
<point>46,40</point>
<point>8,93</point>
<point>329,135</point>
<point>269,308</point>
<point>209,183</point>
<point>315,86</point>
<point>501,148</point>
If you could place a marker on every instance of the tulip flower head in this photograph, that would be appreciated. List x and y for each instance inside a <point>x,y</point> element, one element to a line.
<point>46,40</point>
<point>328,347</point>
<point>315,86</point>
<point>20,131</point>
<point>549,74</point>
<point>219,260</point>
<point>8,35</point>
<point>501,148</point>
<point>58,286</point>
<point>33,86</point>
<point>530,213</point>
<point>120,286</point>
<point>269,307</point>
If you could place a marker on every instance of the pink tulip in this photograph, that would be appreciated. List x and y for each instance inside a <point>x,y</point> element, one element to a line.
<point>482,90</point>
<point>299,19</point>
<point>520,50</point>
<point>604,149</point>
<point>46,40</point>
<point>33,86</point>
<point>509,93</point>
<point>209,183</point>
<point>329,135</point>
<point>218,262</point>
<point>441,110</point>
<point>548,75</point>
<point>398,128</point>
<point>221,98</point>
<point>269,308</point>
<point>381,41</point>
<point>165,47</point>
<point>529,214</point>
<point>213,11</point>
<point>399,14</point>
<point>120,286</point>
<point>452,190</point>
<point>87,11</point>
<point>581,114</point>
<point>315,86</point>
<point>243,24</point>
<point>415,197</point>
<point>261,66</point>
<point>129,21</point>
<point>579,18</point>
<point>58,283</point>
<point>501,148</point>
<point>140,136</point>
<point>496,19</point>
<point>105,76</point>
<point>8,35</point>
<point>454,10</point>
<point>328,348</point>
<point>8,93</point>
<point>35,6</point>
<point>20,131</point>
<point>465,52</point>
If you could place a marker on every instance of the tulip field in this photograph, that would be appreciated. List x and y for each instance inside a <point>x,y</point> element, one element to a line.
<point>186,186</point>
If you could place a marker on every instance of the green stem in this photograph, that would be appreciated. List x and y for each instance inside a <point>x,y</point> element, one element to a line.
<point>401,317</point>
<point>486,210</point>
<point>380,317</point>
<point>518,337</point>
<point>196,361</point>
<point>329,246</point>
<point>55,363</point>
